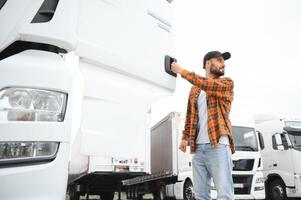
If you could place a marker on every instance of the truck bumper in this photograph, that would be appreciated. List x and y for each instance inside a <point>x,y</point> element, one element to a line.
<point>257,196</point>
<point>35,182</point>
<point>253,188</point>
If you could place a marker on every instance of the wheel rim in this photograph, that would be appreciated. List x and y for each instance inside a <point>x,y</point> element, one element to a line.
<point>278,192</point>
<point>189,192</point>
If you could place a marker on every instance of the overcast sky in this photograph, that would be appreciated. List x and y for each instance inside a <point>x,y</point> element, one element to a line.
<point>264,38</point>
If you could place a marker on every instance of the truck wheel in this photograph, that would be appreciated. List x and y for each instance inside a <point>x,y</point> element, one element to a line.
<point>277,190</point>
<point>74,196</point>
<point>109,195</point>
<point>188,190</point>
<point>140,197</point>
<point>160,193</point>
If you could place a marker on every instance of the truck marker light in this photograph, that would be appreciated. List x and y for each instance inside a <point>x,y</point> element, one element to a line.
<point>259,188</point>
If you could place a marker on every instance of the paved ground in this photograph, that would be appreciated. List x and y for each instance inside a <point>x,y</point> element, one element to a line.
<point>123,197</point>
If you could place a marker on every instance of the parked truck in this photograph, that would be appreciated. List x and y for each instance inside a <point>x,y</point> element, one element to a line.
<point>281,156</point>
<point>77,79</point>
<point>247,173</point>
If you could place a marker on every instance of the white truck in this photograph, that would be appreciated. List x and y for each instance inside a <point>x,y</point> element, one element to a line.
<point>248,178</point>
<point>77,79</point>
<point>281,157</point>
<point>171,170</point>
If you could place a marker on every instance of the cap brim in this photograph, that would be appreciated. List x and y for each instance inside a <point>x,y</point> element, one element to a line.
<point>226,55</point>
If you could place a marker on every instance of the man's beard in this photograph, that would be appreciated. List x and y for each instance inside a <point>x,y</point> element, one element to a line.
<point>215,71</point>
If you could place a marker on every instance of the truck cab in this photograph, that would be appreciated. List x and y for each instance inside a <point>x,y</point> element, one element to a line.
<point>77,79</point>
<point>281,157</point>
<point>247,172</point>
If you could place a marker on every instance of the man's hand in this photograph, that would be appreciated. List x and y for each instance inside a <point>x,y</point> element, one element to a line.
<point>183,145</point>
<point>176,68</point>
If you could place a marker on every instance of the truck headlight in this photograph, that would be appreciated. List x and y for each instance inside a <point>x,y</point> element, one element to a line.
<point>27,104</point>
<point>20,152</point>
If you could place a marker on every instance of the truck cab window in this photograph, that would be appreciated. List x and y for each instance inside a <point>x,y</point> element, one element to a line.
<point>295,140</point>
<point>284,141</point>
<point>245,138</point>
<point>2,2</point>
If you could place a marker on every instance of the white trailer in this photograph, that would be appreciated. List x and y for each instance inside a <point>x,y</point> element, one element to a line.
<point>171,170</point>
<point>281,157</point>
<point>77,79</point>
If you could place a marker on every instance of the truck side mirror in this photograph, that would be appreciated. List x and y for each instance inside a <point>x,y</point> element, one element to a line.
<point>167,61</point>
<point>279,144</point>
<point>278,139</point>
<point>261,142</point>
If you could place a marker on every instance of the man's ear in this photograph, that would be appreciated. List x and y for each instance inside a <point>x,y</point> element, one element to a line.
<point>207,63</point>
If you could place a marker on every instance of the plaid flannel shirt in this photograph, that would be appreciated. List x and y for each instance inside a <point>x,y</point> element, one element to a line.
<point>219,94</point>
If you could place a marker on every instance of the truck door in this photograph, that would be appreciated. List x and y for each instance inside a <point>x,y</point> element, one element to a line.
<point>282,159</point>
<point>122,45</point>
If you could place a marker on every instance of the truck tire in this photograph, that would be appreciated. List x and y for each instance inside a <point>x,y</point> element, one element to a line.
<point>108,195</point>
<point>160,193</point>
<point>277,190</point>
<point>74,196</point>
<point>188,191</point>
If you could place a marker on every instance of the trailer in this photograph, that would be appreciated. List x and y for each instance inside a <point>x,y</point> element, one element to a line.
<point>169,165</point>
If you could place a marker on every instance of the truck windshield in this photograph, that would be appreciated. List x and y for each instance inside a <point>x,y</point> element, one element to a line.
<point>244,138</point>
<point>295,139</point>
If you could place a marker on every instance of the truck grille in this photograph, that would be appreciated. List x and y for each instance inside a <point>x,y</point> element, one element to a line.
<point>242,184</point>
<point>243,165</point>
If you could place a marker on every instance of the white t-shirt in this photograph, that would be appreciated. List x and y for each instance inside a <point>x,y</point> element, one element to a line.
<point>203,122</point>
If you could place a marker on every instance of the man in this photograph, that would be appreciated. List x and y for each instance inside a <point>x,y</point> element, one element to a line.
<point>208,128</point>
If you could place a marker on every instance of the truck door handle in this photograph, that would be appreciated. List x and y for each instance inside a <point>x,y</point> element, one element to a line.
<point>167,61</point>
<point>275,165</point>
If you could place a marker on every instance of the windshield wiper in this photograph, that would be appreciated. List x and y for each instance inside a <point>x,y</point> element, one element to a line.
<point>248,148</point>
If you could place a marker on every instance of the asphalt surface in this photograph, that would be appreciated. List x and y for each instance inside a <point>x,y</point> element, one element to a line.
<point>123,197</point>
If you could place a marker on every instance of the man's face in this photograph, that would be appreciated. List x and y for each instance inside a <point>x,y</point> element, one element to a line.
<point>217,66</point>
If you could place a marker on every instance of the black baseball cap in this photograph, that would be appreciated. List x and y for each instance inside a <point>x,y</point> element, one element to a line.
<point>214,54</point>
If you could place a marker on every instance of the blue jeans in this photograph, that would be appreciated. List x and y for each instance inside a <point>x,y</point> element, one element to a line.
<point>213,163</point>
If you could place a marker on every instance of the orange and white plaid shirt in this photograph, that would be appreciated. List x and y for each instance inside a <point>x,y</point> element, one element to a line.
<point>219,92</point>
